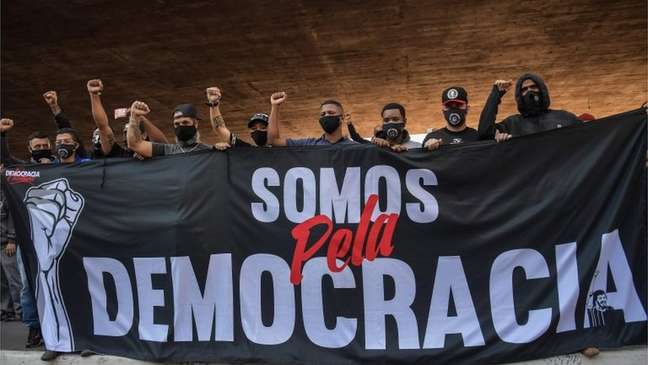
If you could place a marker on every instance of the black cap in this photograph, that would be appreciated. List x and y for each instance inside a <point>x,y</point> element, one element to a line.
<point>258,118</point>
<point>454,93</point>
<point>185,110</point>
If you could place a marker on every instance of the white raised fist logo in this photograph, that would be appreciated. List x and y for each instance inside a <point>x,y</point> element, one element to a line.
<point>53,209</point>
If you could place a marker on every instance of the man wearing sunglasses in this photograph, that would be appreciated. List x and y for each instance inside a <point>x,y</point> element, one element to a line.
<point>532,98</point>
<point>455,108</point>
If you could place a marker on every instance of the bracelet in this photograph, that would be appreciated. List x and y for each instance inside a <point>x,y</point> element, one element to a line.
<point>212,105</point>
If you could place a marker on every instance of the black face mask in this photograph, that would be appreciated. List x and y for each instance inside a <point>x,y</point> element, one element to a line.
<point>38,154</point>
<point>392,131</point>
<point>532,102</point>
<point>185,132</point>
<point>330,123</point>
<point>259,137</point>
<point>455,116</point>
<point>65,150</point>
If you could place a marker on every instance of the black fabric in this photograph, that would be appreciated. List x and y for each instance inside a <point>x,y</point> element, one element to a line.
<point>522,232</point>
<point>117,151</point>
<point>450,137</point>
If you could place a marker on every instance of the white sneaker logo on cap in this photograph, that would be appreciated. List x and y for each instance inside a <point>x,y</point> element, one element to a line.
<point>452,93</point>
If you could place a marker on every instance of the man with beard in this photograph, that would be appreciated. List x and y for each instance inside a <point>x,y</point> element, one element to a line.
<point>185,124</point>
<point>103,138</point>
<point>258,124</point>
<point>455,108</point>
<point>393,133</point>
<point>331,114</point>
<point>532,98</point>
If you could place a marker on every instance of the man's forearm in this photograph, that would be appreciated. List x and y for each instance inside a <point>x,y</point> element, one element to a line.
<point>488,115</point>
<point>154,133</point>
<point>273,126</point>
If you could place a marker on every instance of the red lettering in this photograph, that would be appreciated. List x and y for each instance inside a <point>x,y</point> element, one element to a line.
<point>343,240</point>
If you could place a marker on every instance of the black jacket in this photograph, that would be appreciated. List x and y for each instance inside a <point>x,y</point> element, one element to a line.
<point>523,123</point>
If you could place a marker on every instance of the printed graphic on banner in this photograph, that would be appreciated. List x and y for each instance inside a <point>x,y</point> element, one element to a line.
<point>54,209</point>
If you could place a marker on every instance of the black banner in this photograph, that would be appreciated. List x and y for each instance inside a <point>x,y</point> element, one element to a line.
<point>475,253</point>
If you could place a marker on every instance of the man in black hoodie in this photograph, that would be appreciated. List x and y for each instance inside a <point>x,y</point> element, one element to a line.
<point>532,98</point>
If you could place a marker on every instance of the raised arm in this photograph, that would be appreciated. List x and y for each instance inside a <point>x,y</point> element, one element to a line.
<point>274,137</point>
<point>134,138</point>
<point>352,131</point>
<point>488,115</point>
<point>106,135</point>
<point>51,98</point>
<point>5,156</point>
<point>223,134</point>
<point>153,132</point>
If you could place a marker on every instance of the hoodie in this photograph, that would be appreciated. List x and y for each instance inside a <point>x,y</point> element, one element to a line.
<point>525,122</point>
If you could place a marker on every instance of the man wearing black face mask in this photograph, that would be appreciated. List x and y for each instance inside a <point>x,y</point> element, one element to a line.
<point>185,123</point>
<point>67,146</point>
<point>455,108</point>
<point>393,134</point>
<point>331,114</point>
<point>532,98</point>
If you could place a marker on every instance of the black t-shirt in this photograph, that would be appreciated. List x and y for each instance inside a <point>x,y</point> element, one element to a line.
<point>450,137</point>
<point>118,151</point>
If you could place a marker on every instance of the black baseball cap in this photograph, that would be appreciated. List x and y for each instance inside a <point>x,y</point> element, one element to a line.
<point>185,110</point>
<point>454,93</point>
<point>258,118</point>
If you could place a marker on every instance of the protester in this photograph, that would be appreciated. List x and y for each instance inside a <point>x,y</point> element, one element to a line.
<point>62,121</point>
<point>532,98</point>
<point>10,283</point>
<point>40,150</point>
<point>393,133</point>
<point>455,107</point>
<point>185,123</point>
<point>68,145</point>
<point>331,113</point>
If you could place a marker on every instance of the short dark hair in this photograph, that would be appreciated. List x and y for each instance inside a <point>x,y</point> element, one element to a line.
<point>334,102</point>
<point>71,131</point>
<point>37,134</point>
<point>394,106</point>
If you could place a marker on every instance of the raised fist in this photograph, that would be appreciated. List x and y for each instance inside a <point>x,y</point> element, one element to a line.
<point>53,209</point>
<point>51,98</point>
<point>6,124</point>
<point>138,109</point>
<point>278,98</point>
<point>95,87</point>
<point>503,85</point>
<point>213,95</point>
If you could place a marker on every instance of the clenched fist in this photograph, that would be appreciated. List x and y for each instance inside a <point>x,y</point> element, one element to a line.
<point>51,98</point>
<point>138,109</point>
<point>503,85</point>
<point>213,95</point>
<point>95,87</point>
<point>6,124</point>
<point>278,98</point>
<point>53,209</point>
